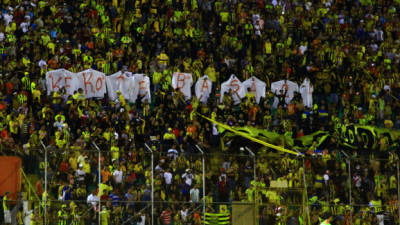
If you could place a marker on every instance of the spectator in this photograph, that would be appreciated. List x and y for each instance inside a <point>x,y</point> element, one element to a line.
<point>166,216</point>
<point>195,194</point>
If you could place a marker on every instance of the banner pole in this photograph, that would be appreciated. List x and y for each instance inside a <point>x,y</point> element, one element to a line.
<point>279,148</point>
<point>204,183</point>
<point>45,183</point>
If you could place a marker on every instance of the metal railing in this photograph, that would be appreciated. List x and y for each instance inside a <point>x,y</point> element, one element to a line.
<point>270,186</point>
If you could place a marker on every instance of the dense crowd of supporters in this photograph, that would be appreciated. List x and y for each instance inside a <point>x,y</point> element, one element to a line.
<point>348,49</point>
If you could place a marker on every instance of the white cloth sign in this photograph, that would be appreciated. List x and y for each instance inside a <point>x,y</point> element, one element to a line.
<point>234,85</point>
<point>141,88</point>
<point>120,81</point>
<point>257,87</point>
<point>203,88</point>
<point>183,82</point>
<point>61,78</point>
<point>306,91</point>
<point>290,86</point>
<point>96,84</point>
<point>93,83</point>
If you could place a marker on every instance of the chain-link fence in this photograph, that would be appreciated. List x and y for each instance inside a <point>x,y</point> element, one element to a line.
<point>145,186</point>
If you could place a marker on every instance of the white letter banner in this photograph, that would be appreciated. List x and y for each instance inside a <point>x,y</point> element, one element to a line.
<point>236,86</point>
<point>288,85</point>
<point>141,88</point>
<point>306,91</point>
<point>183,82</point>
<point>203,88</point>
<point>57,79</point>
<point>120,81</point>
<point>257,87</point>
<point>93,83</point>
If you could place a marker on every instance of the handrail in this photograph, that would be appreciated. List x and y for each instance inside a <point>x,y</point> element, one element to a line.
<point>91,207</point>
<point>131,217</point>
<point>31,187</point>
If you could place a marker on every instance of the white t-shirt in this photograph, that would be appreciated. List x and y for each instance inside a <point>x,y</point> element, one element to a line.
<point>143,220</point>
<point>92,199</point>
<point>194,195</point>
<point>118,176</point>
<point>188,178</point>
<point>173,153</point>
<point>24,26</point>
<point>80,173</point>
<point>326,178</point>
<point>184,214</point>
<point>7,18</point>
<point>168,177</point>
<point>303,48</point>
<point>42,63</point>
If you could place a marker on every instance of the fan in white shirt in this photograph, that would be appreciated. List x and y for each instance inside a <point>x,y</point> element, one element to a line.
<point>7,18</point>
<point>42,63</point>
<point>173,153</point>
<point>80,173</point>
<point>184,213</point>
<point>195,194</point>
<point>1,36</point>
<point>93,199</point>
<point>188,176</point>
<point>118,175</point>
<point>25,26</point>
<point>168,177</point>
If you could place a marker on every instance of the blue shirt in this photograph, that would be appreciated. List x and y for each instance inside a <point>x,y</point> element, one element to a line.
<point>114,199</point>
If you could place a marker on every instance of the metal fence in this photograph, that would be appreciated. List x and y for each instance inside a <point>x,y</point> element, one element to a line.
<point>85,187</point>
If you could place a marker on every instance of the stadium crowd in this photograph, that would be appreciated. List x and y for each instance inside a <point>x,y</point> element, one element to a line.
<point>348,49</point>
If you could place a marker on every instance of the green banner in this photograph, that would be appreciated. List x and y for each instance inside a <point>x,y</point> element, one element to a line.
<point>366,137</point>
<point>353,136</point>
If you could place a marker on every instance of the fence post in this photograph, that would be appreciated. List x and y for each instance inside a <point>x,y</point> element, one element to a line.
<point>254,161</point>
<point>348,160</point>
<point>99,174</point>
<point>305,191</point>
<point>152,182</point>
<point>398,190</point>
<point>45,183</point>
<point>204,184</point>
<point>350,198</point>
<point>256,206</point>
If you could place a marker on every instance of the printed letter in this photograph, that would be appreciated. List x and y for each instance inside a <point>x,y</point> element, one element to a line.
<point>180,80</point>
<point>86,82</point>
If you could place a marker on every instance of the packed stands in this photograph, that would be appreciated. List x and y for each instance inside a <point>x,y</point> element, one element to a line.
<point>151,158</point>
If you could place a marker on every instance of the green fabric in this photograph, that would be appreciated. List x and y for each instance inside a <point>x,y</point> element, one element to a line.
<point>352,135</point>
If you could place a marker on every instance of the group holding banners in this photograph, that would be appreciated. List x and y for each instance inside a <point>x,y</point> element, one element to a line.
<point>96,84</point>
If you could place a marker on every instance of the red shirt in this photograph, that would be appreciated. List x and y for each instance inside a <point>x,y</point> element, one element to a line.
<point>4,134</point>
<point>64,167</point>
<point>291,108</point>
<point>132,177</point>
<point>176,132</point>
<point>166,217</point>
<point>39,188</point>
<point>9,87</point>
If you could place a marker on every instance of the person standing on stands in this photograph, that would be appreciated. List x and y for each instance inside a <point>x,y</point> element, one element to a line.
<point>6,210</point>
<point>63,215</point>
<point>281,97</point>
